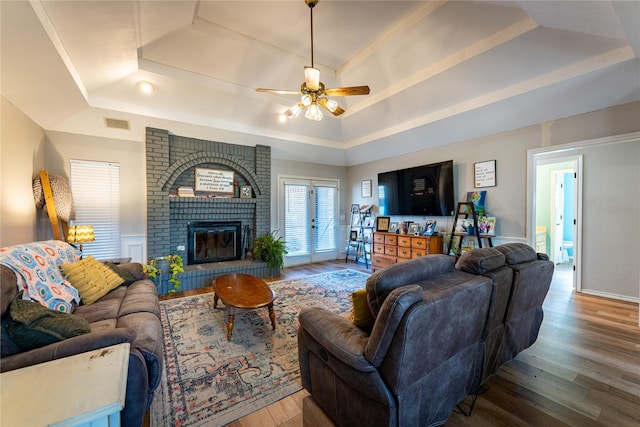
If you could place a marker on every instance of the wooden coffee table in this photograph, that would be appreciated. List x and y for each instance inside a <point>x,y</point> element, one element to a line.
<point>244,292</point>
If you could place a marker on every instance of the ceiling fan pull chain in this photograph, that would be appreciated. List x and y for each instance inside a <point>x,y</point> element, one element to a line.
<point>311,26</point>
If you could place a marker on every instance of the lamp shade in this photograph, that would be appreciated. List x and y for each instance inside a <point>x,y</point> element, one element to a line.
<point>80,234</point>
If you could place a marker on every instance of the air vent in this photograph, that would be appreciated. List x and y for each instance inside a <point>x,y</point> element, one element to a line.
<point>116,123</point>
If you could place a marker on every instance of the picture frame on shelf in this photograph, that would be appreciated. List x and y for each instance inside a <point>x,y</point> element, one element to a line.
<point>393,227</point>
<point>245,192</point>
<point>382,223</point>
<point>369,222</point>
<point>430,227</point>
<point>413,228</point>
<point>353,236</point>
<point>365,187</point>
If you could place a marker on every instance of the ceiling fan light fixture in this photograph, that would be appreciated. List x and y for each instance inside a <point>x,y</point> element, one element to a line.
<point>306,100</point>
<point>312,78</point>
<point>331,105</point>
<point>314,113</point>
<point>295,110</point>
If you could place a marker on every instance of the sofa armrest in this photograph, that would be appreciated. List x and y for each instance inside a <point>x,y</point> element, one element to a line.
<point>68,347</point>
<point>337,336</point>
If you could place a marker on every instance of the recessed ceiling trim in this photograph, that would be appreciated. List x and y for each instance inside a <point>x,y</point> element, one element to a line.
<point>491,42</point>
<point>49,28</point>
<point>595,63</point>
<point>395,30</point>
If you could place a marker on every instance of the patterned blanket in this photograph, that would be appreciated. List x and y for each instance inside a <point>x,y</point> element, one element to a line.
<point>36,266</point>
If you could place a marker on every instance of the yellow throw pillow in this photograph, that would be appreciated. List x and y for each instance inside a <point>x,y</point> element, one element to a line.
<point>360,312</point>
<point>91,278</point>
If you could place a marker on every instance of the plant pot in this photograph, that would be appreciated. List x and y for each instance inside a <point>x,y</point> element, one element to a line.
<point>163,265</point>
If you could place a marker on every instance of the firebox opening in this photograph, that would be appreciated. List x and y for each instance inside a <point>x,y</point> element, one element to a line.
<point>214,241</point>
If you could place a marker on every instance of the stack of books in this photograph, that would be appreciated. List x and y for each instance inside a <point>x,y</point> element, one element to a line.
<point>186,192</point>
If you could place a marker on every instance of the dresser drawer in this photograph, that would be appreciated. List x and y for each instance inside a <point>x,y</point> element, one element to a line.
<point>390,239</point>
<point>418,242</point>
<point>378,248</point>
<point>378,238</point>
<point>381,262</point>
<point>417,253</point>
<point>404,241</point>
<point>391,250</point>
<point>404,252</point>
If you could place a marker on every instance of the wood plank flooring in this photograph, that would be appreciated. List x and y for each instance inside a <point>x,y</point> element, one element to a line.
<point>584,369</point>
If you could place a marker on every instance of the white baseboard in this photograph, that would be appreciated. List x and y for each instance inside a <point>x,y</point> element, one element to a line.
<point>610,295</point>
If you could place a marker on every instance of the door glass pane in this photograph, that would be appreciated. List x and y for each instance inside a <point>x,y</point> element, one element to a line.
<point>325,236</point>
<point>296,219</point>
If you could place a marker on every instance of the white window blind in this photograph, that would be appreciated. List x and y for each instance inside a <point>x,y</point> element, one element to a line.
<point>325,236</point>
<point>296,219</point>
<point>96,197</point>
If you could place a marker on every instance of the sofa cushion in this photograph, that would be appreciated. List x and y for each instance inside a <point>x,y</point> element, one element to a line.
<point>382,282</point>
<point>32,325</point>
<point>123,273</point>
<point>360,314</point>
<point>36,268</point>
<point>91,278</point>
<point>481,261</point>
<point>517,253</point>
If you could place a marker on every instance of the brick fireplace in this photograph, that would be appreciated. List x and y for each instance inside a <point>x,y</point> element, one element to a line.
<point>171,162</point>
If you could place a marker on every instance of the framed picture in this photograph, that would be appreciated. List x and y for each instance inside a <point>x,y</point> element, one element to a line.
<point>366,188</point>
<point>353,236</point>
<point>393,228</point>
<point>382,223</point>
<point>245,192</point>
<point>214,180</point>
<point>369,222</point>
<point>430,227</point>
<point>485,174</point>
<point>355,208</point>
<point>413,228</point>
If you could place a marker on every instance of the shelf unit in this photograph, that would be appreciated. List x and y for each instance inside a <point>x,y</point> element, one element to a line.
<point>359,239</point>
<point>466,209</point>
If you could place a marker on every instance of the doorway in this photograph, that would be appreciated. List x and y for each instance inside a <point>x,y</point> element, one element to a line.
<point>307,215</point>
<point>557,211</point>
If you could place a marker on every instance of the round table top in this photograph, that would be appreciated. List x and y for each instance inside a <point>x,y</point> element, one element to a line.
<point>243,291</point>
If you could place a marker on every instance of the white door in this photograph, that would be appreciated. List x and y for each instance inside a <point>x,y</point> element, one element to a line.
<point>557,209</point>
<point>308,219</point>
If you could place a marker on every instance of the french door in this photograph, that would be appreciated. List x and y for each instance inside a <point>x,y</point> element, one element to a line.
<point>307,217</point>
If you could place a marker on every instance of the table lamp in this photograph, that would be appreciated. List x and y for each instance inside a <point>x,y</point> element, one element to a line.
<point>80,234</point>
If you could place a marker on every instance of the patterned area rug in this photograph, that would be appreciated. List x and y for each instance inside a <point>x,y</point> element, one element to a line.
<point>209,381</point>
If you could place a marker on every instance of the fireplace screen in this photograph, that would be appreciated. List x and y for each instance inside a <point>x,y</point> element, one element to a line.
<point>214,241</point>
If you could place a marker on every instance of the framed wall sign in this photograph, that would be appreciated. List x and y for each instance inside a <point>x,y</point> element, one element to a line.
<point>382,223</point>
<point>485,174</point>
<point>214,180</point>
<point>366,188</point>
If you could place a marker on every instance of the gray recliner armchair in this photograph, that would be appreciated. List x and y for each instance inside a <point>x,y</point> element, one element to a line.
<point>420,358</point>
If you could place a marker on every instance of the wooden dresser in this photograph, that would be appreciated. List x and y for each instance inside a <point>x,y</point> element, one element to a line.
<point>391,248</point>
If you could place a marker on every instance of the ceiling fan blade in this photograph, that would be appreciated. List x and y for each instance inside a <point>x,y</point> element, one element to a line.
<point>281,92</point>
<point>312,78</point>
<point>347,91</point>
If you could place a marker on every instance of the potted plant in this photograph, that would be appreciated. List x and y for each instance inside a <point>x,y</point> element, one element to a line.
<point>165,265</point>
<point>270,249</point>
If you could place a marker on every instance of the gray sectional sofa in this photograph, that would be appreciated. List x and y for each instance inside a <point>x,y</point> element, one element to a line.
<point>441,329</point>
<point>129,313</point>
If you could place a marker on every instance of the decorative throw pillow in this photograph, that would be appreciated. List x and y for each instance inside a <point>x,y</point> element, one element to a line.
<point>32,325</point>
<point>91,278</point>
<point>125,274</point>
<point>360,312</point>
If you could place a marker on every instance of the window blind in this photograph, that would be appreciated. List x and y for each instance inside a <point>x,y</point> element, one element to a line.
<point>296,219</point>
<point>96,197</point>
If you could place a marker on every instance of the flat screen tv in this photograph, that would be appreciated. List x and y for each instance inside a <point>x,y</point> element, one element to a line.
<point>422,190</point>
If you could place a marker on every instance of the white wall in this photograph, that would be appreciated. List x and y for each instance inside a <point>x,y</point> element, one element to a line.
<point>21,159</point>
<point>61,147</point>
<point>617,252</point>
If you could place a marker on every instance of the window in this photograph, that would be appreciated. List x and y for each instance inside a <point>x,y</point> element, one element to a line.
<point>96,198</point>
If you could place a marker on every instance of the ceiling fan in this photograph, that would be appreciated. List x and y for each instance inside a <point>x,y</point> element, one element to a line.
<point>314,94</point>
